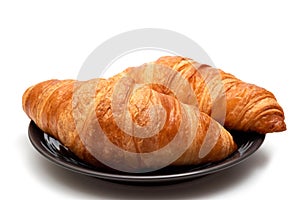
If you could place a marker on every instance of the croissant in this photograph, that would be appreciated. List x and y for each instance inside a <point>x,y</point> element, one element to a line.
<point>238,105</point>
<point>135,121</point>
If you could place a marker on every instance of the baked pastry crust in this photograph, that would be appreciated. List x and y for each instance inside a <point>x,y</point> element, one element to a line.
<point>136,122</point>
<point>248,107</point>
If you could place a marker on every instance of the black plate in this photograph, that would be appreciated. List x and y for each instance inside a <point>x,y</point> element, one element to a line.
<point>54,151</point>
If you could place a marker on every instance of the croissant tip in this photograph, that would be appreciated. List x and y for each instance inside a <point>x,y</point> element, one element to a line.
<point>278,126</point>
<point>269,124</point>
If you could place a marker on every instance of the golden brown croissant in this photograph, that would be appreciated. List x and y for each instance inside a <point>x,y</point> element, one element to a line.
<point>247,107</point>
<point>129,122</point>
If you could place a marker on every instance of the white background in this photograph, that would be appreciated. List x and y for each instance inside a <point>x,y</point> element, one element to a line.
<point>258,41</point>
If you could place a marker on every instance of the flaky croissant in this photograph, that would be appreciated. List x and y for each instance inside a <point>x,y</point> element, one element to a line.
<point>169,112</point>
<point>128,122</point>
<point>246,107</point>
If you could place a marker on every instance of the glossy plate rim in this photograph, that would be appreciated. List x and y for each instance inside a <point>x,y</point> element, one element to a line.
<point>38,139</point>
